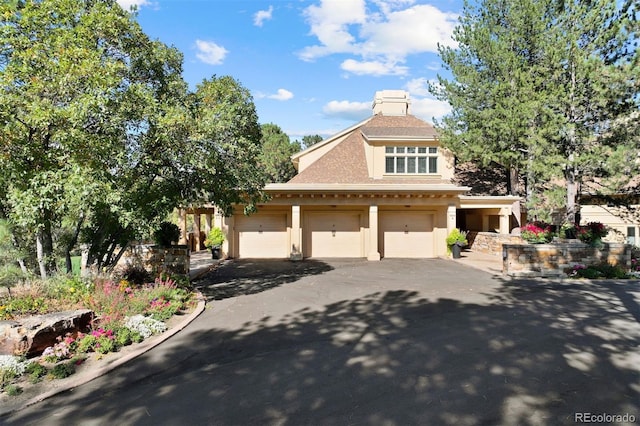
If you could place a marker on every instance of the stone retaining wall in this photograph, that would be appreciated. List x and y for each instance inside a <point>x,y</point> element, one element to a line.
<point>490,242</point>
<point>174,260</point>
<point>549,260</point>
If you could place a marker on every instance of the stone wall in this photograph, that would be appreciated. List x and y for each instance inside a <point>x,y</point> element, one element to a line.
<point>551,260</point>
<point>174,260</point>
<point>491,242</point>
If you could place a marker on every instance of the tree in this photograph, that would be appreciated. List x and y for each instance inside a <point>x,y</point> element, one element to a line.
<point>310,140</point>
<point>275,158</point>
<point>101,138</point>
<point>542,87</point>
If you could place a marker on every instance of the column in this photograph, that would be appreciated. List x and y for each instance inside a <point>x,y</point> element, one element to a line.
<point>207,223</point>
<point>196,223</point>
<point>182,213</point>
<point>485,223</point>
<point>296,234</point>
<point>505,214</point>
<point>374,254</point>
<point>451,218</point>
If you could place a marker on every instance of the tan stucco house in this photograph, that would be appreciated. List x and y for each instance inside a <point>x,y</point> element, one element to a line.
<point>382,188</point>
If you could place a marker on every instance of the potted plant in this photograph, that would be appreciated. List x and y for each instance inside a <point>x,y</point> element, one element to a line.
<point>536,232</point>
<point>455,241</point>
<point>214,241</point>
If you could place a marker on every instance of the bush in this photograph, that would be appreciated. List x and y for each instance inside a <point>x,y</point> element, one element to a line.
<point>166,234</point>
<point>603,270</point>
<point>537,232</point>
<point>215,238</point>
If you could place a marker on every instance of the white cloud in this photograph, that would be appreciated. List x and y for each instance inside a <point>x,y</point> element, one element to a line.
<point>261,16</point>
<point>375,68</point>
<point>419,86</point>
<point>429,108</point>
<point>347,110</point>
<point>281,95</point>
<point>377,31</point>
<point>210,53</point>
<point>126,4</point>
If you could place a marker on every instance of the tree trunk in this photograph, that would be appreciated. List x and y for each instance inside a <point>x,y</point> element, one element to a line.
<point>41,256</point>
<point>572,192</point>
<point>513,180</point>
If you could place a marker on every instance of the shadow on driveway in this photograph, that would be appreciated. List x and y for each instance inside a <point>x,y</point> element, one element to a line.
<point>416,353</point>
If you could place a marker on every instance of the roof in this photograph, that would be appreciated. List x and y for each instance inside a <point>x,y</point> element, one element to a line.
<point>346,163</point>
<point>397,127</point>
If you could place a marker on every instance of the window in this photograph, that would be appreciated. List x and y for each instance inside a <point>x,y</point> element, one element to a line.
<point>631,235</point>
<point>411,160</point>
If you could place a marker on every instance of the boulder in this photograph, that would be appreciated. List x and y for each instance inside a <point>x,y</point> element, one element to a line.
<point>31,335</point>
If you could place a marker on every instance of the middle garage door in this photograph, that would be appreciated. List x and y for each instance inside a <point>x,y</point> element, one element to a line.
<point>406,234</point>
<point>332,234</point>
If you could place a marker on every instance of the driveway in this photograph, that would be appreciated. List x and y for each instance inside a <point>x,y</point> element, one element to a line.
<point>396,342</point>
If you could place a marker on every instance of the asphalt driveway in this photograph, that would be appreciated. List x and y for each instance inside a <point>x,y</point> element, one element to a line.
<point>396,342</point>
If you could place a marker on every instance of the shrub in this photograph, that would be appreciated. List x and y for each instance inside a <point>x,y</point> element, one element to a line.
<point>63,370</point>
<point>536,232</point>
<point>603,270</point>
<point>215,238</point>
<point>166,234</point>
<point>36,372</point>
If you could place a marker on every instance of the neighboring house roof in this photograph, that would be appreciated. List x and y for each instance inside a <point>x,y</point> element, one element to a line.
<point>346,163</point>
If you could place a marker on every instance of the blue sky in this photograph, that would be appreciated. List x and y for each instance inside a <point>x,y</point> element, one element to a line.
<point>313,67</point>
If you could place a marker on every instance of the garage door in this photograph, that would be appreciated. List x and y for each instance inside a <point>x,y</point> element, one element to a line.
<point>262,236</point>
<point>406,234</point>
<point>332,234</point>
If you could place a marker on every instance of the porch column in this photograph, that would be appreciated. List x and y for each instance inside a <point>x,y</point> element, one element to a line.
<point>183,226</point>
<point>296,234</point>
<point>207,223</point>
<point>196,224</point>
<point>451,218</point>
<point>505,214</point>
<point>374,254</point>
<point>227,225</point>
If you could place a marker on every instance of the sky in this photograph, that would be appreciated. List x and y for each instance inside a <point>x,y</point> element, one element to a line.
<point>312,67</point>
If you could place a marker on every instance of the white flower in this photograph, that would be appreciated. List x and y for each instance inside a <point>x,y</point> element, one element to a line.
<point>146,326</point>
<point>13,364</point>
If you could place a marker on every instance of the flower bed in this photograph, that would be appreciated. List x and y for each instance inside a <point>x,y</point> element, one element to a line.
<point>125,313</point>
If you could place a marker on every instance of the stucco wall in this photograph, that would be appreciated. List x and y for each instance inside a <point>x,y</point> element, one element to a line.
<point>547,260</point>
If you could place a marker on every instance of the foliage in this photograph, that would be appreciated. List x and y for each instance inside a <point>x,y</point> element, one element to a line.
<point>10,273</point>
<point>10,368</point>
<point>456,237</point>
<point>62,370</point>
<point>101,137</point>
<point>215,238</point>
<point>591,232</point>
<point>36,372</point>
<point>20,306</point>
<point>275,156</point>
<point>166,234</point>
<point>536,232</point>
<point>603,270</point>
<point>144,326</point>
<point>134,274</point>
<point>310,140</point>
<point>547,89</point>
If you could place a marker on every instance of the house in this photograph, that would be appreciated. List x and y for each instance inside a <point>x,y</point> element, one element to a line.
<point>381,188</point>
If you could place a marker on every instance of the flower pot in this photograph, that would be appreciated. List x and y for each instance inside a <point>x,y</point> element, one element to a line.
<point>456,250</point>
<point>215,252</point>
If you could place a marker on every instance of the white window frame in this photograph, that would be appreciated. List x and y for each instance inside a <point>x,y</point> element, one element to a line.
<point>411,160</point>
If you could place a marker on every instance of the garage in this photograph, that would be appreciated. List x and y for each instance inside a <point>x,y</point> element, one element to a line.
<point>262,235</point>
<point>406,234</point>
<point>332,234</point>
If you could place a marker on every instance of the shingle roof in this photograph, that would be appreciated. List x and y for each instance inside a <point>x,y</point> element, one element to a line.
<point>398,126</point>
<point>346,163</point>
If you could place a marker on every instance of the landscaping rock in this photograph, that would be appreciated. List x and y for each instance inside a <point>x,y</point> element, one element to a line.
<point>32,335</point>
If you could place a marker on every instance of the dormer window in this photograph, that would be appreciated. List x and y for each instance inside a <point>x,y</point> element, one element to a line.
<point>411,160</point>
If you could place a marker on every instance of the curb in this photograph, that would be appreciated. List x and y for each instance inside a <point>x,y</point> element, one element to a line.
<point>140,349</point>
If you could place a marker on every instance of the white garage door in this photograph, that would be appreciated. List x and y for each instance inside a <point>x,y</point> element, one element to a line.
<point>332,234</point>
<point>406,234</point>
<point>262,236</point>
